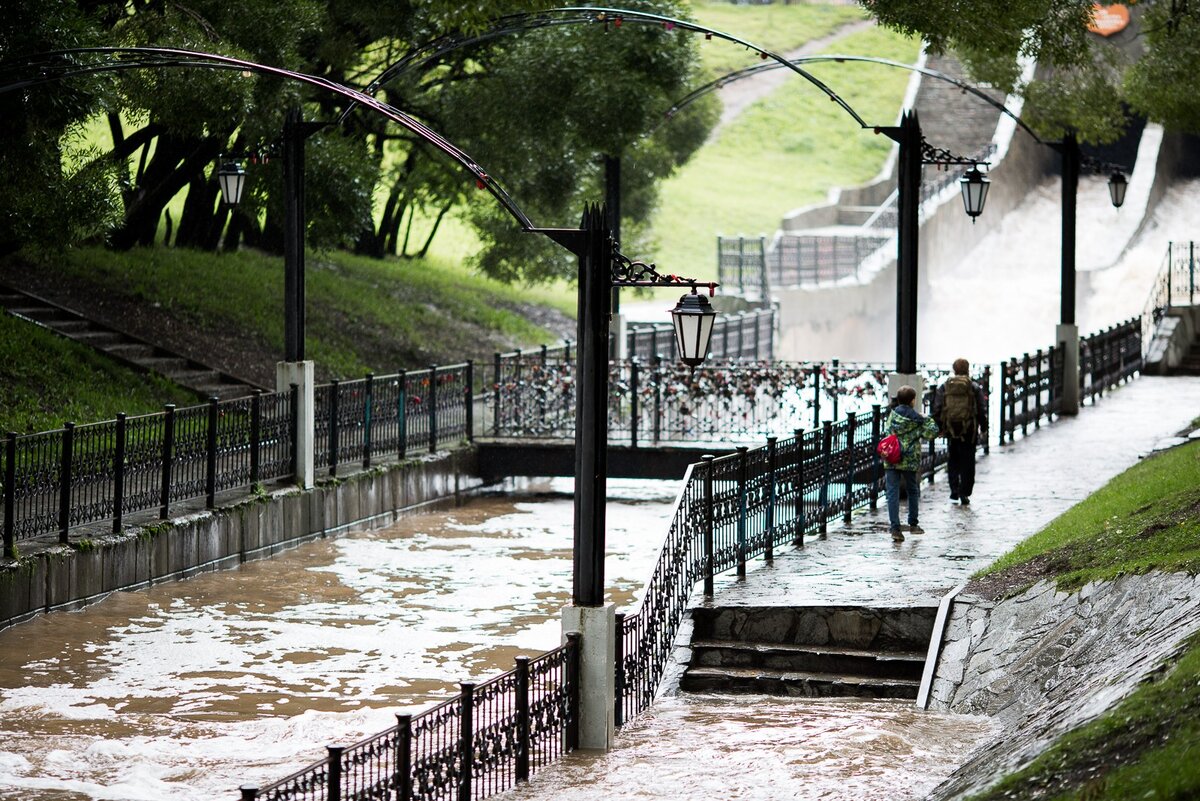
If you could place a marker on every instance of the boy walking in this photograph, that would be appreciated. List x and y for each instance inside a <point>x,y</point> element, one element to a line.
<point>910,427</point>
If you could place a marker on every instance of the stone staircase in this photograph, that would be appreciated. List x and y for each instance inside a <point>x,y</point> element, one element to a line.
<point>205,381</point>
<point>1190,363</point>
<point>809,651</point>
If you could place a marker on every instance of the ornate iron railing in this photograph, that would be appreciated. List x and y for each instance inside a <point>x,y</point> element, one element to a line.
<point>481,742</point>
<point>1174,285</point>
<point>741,265</point>
<point>1031,388</point>
<point>737,507</point>
<point>86,474</point>
<point>744,336</point>
<point>533,395</point>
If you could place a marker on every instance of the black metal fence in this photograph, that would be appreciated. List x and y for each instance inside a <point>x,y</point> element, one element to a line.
<point>84,474</point>
<point>481,742</point>
<point>815,260</point>
<point>1031,388</point>
<point>740,265</point>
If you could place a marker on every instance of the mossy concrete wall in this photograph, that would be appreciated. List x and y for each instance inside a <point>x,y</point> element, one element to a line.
<point>68,577</point>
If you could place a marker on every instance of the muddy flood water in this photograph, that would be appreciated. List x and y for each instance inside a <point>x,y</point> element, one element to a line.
<point>186,690</point>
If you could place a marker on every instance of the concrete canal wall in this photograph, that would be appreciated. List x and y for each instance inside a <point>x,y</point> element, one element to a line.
<point>68,577</point>
<point>1045,662</point>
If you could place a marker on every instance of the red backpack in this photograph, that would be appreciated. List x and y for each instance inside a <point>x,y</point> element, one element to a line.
<point>889,449</point>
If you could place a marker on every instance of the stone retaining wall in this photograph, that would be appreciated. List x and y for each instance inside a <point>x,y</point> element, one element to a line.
<point>1045,662</point>
<point>68,577</point>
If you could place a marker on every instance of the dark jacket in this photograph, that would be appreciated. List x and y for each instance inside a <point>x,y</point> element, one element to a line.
<point>910,427</point>
<point>981,410</point>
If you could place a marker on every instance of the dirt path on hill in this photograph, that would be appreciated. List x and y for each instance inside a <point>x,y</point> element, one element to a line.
<point>739,95</point>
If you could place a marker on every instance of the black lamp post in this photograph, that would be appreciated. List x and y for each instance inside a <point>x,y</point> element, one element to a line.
<point>602,270</point>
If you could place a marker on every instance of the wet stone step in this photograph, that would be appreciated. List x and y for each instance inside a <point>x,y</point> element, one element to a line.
<point>816,659</point>
<point>795,683</point>
<point>868,628</point>
<point>129,350</point>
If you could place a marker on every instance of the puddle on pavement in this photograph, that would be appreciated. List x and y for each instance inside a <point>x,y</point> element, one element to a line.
<point>761,748</point>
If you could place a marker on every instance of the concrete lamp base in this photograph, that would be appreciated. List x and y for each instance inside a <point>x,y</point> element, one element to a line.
<point>597,626</point>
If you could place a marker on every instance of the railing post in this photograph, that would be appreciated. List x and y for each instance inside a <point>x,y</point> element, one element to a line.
<point>403,781</point>
<point>741,524</point>
<point>1191,273</point>
<point>333,786</point>
<point>496,398</point>
<point>772,458</point>
<point>1012,398</point>
<point>402,413</point>
<point>876,465</point>
<point>1024,394</point>
<point>521,761</point>
<point>619,669</point>
<point>798,541</point>
<point>835,380</point>
<point>256,436</point>
<point>433,400</point>
<point>168,458</point>
<point>817,396</point>
<point>987,398</point>
<point>708,524</point>
<point>368,417</point>
<point>848,496</point>
<point>249,792</point>
<point>1037,399</point>
<point>658,382</point>
<point>466,740</point>
<point>10,493</point>
<point>633,403</point>
<point>119,475</point>
<point>573,657</point>
<point>827,464</point>
<point>64,482</point>
<point>469,391</point>
<point>294,407</point>
<point>334,428</point>
<point>210,466</point>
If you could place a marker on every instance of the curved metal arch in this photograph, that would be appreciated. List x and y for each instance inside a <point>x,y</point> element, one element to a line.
<point>746,72</point>
<point>579,15</point>
<point>57,65</point>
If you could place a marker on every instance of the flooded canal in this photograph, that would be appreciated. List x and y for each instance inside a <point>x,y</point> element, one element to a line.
<point>187,690</point>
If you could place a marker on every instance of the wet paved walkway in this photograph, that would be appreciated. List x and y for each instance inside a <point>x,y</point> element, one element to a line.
<point>764,748</point>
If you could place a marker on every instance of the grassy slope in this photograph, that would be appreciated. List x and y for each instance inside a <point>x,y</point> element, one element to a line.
<point>1145,519</point>
<point>783,152</point>
<point>46,380</point>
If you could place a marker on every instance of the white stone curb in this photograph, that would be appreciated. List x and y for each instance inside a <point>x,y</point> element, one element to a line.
<point>935,645</point>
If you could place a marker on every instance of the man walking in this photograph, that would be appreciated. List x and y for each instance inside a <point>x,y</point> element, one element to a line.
<point>960,410</point>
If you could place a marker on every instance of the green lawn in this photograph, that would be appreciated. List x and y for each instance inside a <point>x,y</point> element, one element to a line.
<point>783,152</point>
<point>47,380</point>
<point>1147,518</point>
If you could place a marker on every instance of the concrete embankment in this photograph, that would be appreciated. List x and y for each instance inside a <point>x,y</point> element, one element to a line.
<point>1046,662</point>
<point>53,577</point>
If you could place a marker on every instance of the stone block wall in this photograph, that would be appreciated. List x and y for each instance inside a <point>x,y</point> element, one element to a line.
<point>1045,662</point>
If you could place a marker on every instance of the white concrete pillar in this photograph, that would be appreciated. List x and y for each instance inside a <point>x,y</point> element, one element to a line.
<point>301,374</point>
<point>1067,337</point>
<point>597,626</point>
<point>897,380</point>
<point>620,329</point>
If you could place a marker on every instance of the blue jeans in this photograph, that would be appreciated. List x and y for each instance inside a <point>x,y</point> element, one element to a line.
<point>891,485</point>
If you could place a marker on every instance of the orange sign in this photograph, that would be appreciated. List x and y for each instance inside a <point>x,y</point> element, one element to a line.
<point>1107,20</point>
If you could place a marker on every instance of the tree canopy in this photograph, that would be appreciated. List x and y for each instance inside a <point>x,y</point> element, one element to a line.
<point>1086,82</point>
<point>539,110</point>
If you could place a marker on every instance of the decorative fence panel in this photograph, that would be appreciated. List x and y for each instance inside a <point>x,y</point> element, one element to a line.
<point>1109,357</point>
<point>1174,285</point>
<point>740,263</point>
<point>481,742</point>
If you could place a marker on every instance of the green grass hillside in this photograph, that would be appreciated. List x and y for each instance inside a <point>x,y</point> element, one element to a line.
<point>1147,518</point>
<point>46,380</point>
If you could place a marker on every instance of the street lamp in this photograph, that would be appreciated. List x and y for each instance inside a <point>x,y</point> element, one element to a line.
<point>231,175</point>
<point>693,318</point>
<point>974,191</point>
<point>1116,188</point>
